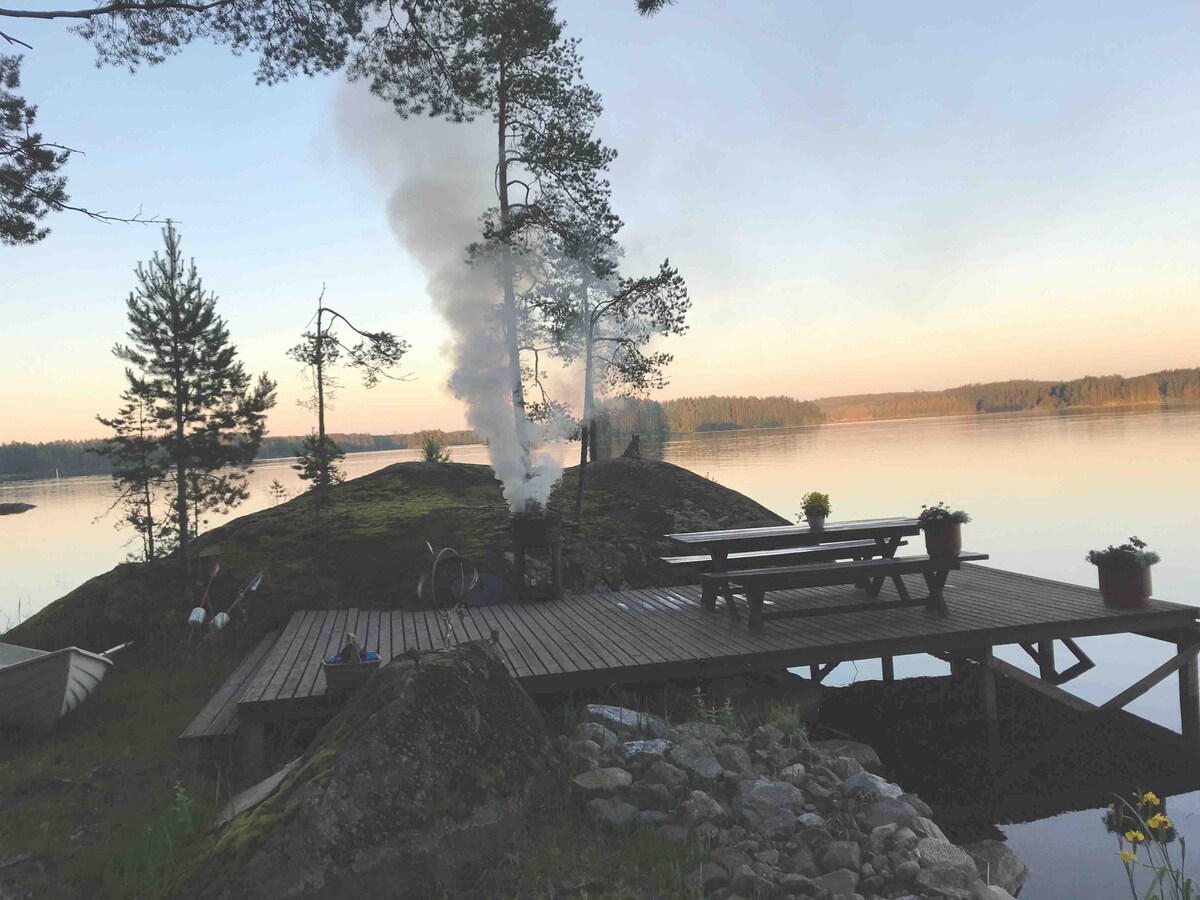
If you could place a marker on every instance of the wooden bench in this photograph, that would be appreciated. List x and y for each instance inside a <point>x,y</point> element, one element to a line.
<point>702,563</point>
<point>756,582</point>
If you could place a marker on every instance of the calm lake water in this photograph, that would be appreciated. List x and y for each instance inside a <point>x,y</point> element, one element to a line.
<point>1042,490</point>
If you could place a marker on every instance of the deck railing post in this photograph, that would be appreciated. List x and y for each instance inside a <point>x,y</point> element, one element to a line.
<point>1189,697</point>
<point>1046,660</point>
<point>889,669</point>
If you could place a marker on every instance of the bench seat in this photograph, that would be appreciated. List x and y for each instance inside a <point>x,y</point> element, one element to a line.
<point>787,555</point>
<point>756,582</point>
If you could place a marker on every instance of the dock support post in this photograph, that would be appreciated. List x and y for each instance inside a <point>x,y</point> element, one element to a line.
<point>889,669</point>
<point>1046,661</point>
<point>1189,697</point>
<point>252,750</point>
<point>987,697</point>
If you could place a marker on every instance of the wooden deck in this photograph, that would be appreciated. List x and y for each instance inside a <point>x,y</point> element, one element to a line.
<point>602,639</point>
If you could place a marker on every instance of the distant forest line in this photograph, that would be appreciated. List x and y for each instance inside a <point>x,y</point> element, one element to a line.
<point>656,419</point>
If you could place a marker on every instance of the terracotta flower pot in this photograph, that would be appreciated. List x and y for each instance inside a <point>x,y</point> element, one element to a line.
<point>943,539</point>
<point>1126,588</point>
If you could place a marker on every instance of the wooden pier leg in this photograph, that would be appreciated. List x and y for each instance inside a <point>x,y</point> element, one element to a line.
<point>889,669</point>
<point>1189,697</point>
<point>519,566</point>
<point>252,750</point>
<point>1046,661</point>
<point>987,696</point>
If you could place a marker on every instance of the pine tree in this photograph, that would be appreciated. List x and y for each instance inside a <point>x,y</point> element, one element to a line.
<point>182,367</point>
<point>140,470</point>
<point>320,350</point>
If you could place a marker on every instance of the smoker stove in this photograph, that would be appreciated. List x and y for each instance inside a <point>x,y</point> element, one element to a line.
<point>542,532</point>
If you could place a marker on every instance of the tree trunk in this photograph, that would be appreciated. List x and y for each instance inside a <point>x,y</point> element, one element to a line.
<point>587,430</point>
<point>510,319</point>
<point>322,461</point>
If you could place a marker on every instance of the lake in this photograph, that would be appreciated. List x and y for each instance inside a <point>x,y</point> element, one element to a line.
<point>1042,490</point>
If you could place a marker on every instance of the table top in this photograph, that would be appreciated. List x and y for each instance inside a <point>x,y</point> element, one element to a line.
<point>779,536</point>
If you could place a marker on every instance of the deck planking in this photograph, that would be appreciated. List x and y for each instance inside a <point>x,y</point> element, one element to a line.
<point>593,640</point>
<point>218,718</point>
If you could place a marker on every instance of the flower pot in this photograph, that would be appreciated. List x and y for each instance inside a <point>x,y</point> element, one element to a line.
<point>943,539</point>
<point>816,520</point>
<point>1126,588</point>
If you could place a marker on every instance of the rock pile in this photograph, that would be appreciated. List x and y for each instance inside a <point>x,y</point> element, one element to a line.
<point>783,817</point>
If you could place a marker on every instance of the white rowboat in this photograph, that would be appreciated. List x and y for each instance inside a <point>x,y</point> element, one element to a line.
<point>38,687</point>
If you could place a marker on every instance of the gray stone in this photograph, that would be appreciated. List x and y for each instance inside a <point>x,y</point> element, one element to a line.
<point>584,748</point>
<point>757,802</point>
<point>927,828</point>
<point>735,758</point>
<point>907,871</point>
<point>918,804</point>
<point>704,878</point>
<point>653,818</point>
<point>770,857</point>
<point>795,883</point>
<point>676,834</point>
<point>612,813</point>
<point>662,772</point>
<point>593,731</point>
<point>886,812</point>
<point>649,795</point>
<point>840,883</point>
<point>998,865</point>
<point>750,883</point>
<point>998,893</point>
<point>696,757</point>
<point>700,807</point>
<point>810,820</point>
<point>804,862</point>
<point>794,772</point>
<point>945,882</point>
<point>865,782</point>
<point>648,751</point>
<point>903,838</point>
<point>704,731</point>
<point>764,735</point>
<point>863,753</point>
<point>935,854</point>
<point>625,721</point>
<point>601,782</point>
<point>707,833</point>
<point>845,766</point>
<point>841,855</point>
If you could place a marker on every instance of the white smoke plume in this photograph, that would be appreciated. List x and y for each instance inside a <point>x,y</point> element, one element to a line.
<point>439,179</point>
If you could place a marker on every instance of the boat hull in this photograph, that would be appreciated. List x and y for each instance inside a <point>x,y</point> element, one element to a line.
<point>38,690</point>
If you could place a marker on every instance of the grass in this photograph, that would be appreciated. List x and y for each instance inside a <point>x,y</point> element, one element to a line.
<point>95,800</point>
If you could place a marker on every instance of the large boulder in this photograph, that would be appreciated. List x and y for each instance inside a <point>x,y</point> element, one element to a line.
<point>998,865</point>
<point>422,773</point>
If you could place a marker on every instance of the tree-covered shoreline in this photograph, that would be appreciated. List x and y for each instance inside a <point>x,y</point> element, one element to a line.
<point>652,418</point>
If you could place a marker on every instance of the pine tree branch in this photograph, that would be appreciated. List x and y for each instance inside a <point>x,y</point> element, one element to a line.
<point>117,8</point>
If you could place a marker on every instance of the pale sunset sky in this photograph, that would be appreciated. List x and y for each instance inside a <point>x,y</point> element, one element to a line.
<point>862,197</point>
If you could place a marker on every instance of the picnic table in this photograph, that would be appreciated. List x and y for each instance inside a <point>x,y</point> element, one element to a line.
<point>795,556</point>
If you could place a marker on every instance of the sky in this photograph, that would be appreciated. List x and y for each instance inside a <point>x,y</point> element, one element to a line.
<point>862,197</point>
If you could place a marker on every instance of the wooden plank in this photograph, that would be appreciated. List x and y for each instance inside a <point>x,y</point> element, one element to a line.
<point>302,654</point>
<point>1189,696</point>
<point>280,656</point>
<point>784,555</point>
<point>219,715</point>
<point>312,682</point>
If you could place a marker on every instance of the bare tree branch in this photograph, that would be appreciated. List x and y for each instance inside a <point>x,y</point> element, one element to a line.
<point>110,9</point>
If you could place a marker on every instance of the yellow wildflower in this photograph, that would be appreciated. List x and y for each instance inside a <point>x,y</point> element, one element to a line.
<point>1128,855</point>
<point>1150,798</point>
<point>1134,837</point>
<point>1158,820</point>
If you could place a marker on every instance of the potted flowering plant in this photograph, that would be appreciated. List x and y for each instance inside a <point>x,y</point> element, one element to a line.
<point>1124,572</point>
<point>816,507</point>
<point>943,529</point>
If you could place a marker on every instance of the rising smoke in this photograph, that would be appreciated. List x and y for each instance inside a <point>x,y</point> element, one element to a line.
<point>438,179</point>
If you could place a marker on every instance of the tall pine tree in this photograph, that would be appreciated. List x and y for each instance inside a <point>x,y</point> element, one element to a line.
<point>208,415</point>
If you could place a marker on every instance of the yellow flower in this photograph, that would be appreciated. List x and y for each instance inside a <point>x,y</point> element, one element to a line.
<point>1150,798</point>
<point>1158,820</point>
<point>1134,837</point>
<point>1128,855</point>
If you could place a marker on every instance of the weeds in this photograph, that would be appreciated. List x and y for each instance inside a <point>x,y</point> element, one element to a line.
<point>150,859</point>
<point>724,715</point>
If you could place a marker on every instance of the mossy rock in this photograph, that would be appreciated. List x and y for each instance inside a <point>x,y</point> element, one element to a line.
<point>425,771</point>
